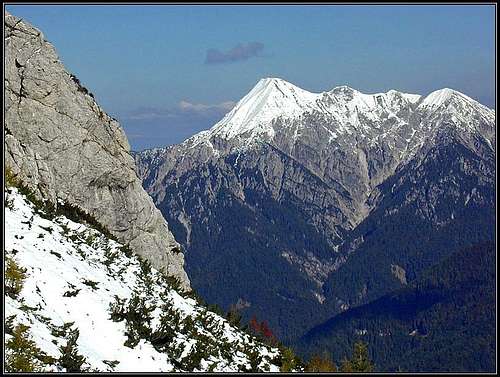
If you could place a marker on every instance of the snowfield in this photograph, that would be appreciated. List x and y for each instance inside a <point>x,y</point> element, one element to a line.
<point>73,275</point>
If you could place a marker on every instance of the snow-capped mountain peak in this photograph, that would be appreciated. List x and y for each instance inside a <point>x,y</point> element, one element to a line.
<point>276,106</point>
<point>273,98</point>
<point>463,111</point>
<point>442,97</point>
<point>269,99</point>
<point>438,97</point>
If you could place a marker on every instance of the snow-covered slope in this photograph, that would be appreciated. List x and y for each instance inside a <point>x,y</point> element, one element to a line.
<point>76,276</point>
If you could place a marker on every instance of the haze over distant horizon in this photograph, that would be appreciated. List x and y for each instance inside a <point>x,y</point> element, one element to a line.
<point>166,72</point>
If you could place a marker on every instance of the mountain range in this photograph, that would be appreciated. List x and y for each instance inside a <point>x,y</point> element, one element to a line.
<point>299,206</point>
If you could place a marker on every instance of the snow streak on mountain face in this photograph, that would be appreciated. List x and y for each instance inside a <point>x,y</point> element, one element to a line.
<point>76,278</point>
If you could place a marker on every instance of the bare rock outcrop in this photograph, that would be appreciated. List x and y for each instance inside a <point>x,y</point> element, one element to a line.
<point>61,144</point>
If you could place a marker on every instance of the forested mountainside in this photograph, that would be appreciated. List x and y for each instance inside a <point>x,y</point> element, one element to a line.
<point>443,321</point>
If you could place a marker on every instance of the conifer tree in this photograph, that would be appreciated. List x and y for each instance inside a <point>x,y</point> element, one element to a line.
<point>21,352</point>
<point>322,363</point>
<point>234,317</point>
<point>255,360</point>
<point>360,361</point>
<point>70,359</point>
<point>14,277</point>
<point>289,361</point>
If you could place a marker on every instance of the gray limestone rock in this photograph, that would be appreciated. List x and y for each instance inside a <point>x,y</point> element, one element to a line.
<point>61,144</point>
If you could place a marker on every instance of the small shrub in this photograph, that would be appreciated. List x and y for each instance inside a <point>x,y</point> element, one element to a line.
<point>146,275</point>
<point>163,336</point>
<point>14,277</point>
<point>9,324</point>
<point>321,364</point>
<point>65,229</point>
<point>61,331</point>
<point>10,179</point>
<point>22,354</point>
<point>48,229</point>
<point>233,316</point>
<point>70,359</point>
<point>26,308</point>
<point>177,250</point>
<point>72,293</point>
<point>214,308</point>
<point>117,309</point>
<point>188,325</point>
<point>59,256</point>
<point>90,239</point>
<point>193,359</point>
<point>111,363</point>
<point>90,283</point>
<point>110,257</point>
<point>255,359</point>
<point>80,87</point>
<point>174,283</point>
<point>137,315</point>
<point>125,249</point>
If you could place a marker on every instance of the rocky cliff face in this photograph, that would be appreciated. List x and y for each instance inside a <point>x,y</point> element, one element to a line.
<point>311,198</point>
<point>61,144</point>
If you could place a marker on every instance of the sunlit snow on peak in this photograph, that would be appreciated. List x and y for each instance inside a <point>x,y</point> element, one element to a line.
<point>273,103</point>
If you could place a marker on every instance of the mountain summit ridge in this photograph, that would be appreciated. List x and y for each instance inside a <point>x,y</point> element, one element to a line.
<point>275,101</point>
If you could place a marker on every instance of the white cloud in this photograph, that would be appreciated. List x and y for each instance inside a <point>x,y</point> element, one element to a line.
<point>199,107</point>
<point>182,109</point>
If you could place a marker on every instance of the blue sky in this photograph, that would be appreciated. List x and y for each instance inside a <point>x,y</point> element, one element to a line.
<point>150,66</point>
